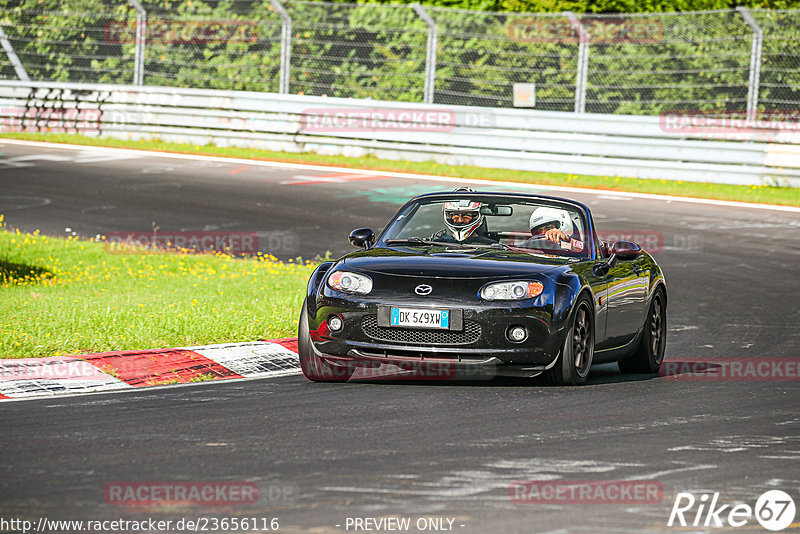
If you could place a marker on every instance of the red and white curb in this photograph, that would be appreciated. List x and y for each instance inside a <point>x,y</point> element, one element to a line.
<point>110,371</point>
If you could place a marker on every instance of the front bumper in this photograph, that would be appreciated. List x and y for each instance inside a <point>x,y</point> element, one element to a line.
<point>480,349</point>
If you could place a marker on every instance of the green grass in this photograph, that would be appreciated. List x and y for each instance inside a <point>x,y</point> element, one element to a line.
<point>68,296</point>
<point>761,194</point>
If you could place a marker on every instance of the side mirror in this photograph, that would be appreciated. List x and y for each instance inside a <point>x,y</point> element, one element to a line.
<point>362,237</point>
<point>620,250</point>
<point>626,250</point>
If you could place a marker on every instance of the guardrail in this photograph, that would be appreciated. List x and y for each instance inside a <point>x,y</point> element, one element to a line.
<point>676,147</point>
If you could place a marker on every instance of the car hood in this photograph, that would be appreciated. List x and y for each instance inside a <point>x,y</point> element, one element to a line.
<point>451,262</point>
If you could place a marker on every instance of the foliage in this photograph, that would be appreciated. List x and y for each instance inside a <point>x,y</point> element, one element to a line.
<point>693,61</point>
<point>78,296</point>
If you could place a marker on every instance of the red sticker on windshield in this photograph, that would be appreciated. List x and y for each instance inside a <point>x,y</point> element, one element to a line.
<point>577,245</point>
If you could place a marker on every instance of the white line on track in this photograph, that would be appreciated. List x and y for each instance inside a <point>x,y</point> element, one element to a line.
<point>660,474</point>
<point>426,177</point>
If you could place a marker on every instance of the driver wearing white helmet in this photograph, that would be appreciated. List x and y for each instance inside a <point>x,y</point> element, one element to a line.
<point>553,225</point>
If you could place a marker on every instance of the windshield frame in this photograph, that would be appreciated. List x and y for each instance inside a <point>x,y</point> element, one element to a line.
<point>409,209</point>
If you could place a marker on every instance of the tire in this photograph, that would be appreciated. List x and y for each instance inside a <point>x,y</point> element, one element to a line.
<point>650,353</point>
<point>313,367</point>
<point>575,360</point>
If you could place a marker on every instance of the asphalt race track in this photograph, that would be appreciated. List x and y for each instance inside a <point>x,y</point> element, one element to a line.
<point>324,453</point>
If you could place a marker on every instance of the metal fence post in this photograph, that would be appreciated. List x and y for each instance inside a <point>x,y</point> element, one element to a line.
<point>286,45</point>
<point>430,54</point>
<point>583,61</point>
<point>755,62</point>
<point>141,33</point>
<point>22,74</point>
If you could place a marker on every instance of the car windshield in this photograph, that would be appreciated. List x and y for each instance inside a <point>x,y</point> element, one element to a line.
<point>540,226</point>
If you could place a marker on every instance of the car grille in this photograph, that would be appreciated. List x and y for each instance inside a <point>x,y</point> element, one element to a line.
<point>470,334</point>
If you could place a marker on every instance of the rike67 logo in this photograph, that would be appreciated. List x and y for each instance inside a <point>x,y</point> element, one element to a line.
<point>774,510</point>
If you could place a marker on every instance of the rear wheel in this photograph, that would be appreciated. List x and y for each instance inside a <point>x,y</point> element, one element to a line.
<point>575,360</point>
<point>313,367</point>
<point>650,353</point>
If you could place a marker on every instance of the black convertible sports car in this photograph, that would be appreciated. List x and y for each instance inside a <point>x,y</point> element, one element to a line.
<point>477,284</point>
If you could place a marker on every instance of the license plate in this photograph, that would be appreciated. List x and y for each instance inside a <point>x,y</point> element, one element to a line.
<point>420,318</point>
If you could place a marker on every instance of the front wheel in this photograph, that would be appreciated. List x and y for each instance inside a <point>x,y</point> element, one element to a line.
<point>575,360</point>
<point>650,353</point>
<point>313,367</point>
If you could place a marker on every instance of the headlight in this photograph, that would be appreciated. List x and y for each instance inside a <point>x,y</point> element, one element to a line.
<point>511,290</point>
<point>348,282</point>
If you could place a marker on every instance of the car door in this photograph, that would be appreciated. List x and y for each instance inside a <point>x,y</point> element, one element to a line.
<point>626,300</point>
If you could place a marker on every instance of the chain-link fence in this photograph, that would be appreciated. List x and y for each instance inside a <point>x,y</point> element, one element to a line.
<point>481,56</point>
<point>48,41</point>
<point>729,61</point>
<point>219,45</point>
<point>692,62</point>
<point>779,87</point>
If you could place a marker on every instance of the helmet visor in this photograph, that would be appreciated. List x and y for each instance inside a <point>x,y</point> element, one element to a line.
<point>461,219</point>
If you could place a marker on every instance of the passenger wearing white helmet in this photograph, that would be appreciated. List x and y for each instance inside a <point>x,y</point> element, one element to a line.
<point>553,225</point>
